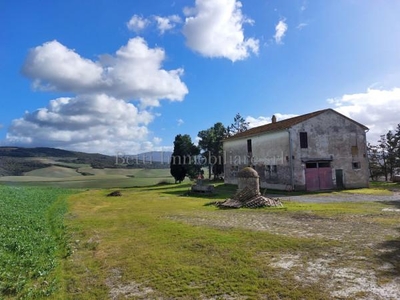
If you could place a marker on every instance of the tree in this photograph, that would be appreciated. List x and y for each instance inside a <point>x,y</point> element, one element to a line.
<point>239,125</point>
<point>384,158</point>
<point>375,162</point>
<point>184,158</point>
<point>211,144</point>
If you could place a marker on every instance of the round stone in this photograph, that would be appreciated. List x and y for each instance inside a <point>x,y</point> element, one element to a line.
<point>247,172</point>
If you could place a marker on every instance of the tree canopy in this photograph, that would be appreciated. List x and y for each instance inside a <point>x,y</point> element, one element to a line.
<point>384,158</point>
<point>239,125</point>
<point>211,144</point>
<point>184,159</point>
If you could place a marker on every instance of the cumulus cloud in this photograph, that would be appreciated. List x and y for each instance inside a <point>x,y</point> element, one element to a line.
<point>377,109</point>
<point>89,123</point>
<point>137,23</point>
<point>167,23</point>
<point>261,120</point>
<point>52,66</point>
<point>101,117</point>
<point>133,73</point>
<point>214,28</point>
<point>280,31</point>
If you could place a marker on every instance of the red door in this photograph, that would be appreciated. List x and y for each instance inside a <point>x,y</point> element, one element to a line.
<point>318,176</point>
<point>312,181</point>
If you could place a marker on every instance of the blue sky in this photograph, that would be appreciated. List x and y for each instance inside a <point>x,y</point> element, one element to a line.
<point>127,76</point>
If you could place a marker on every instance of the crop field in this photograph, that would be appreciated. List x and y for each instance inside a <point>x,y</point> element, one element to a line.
<point>32,239</point>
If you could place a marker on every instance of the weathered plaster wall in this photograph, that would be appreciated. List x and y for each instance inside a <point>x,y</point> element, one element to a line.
<point>331,136</point>
<point>269,157</point>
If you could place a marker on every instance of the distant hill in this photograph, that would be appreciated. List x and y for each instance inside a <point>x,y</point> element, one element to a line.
<point>163,157</point>
<point>15,161</point>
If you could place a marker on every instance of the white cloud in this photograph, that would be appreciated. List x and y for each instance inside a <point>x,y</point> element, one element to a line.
<point>99,118</point>
<point>280,31</point>
<point>377,109</point>
<point>133,73</point>
<point>301,25</point>
<point>214,28</point>
<point>53,66</point>
<point>255,122</point>
<point>167,23</point>
<point>180,122</point>
<point>137,23</point>
<point>92,123</point>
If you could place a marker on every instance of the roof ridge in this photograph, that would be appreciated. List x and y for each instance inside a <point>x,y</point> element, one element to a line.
<point>280,125</point>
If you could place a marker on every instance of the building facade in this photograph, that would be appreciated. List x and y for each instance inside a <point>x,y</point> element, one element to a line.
<point>321,150</point>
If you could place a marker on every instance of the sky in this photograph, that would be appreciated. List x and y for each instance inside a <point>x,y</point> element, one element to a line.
<point>127,76</point>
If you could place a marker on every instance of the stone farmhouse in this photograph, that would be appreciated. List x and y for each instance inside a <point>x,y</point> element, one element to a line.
<point>321,150</point>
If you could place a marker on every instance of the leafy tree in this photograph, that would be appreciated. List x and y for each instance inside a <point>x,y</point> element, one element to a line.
<point>184,158</point>
<point>239,125</point>
<point>212,146</point>
<point>384,158</point>
<point>375,162</point>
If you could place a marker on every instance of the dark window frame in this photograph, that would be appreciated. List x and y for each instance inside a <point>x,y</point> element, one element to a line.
<point>303,140</point>
<point>249,146</point>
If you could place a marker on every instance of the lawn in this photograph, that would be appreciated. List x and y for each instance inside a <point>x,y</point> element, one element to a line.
<point>157,242</point>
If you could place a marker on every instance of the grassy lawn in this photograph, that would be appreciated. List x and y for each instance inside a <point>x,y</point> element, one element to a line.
<point>156,242</point>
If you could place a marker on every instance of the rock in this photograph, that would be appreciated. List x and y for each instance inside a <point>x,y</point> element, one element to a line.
<point>114,194</point>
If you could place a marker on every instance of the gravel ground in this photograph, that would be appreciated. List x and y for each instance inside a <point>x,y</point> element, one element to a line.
<point>339,197</point>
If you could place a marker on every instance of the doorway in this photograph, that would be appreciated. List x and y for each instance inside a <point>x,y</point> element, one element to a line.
<point>318,176</point>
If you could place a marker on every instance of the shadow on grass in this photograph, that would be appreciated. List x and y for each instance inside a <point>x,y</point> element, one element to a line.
<point>391,248</point>
<point>395,203</point>
<point>391,255</point>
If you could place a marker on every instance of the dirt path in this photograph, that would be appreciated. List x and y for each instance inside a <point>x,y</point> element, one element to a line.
<point>339,197</point>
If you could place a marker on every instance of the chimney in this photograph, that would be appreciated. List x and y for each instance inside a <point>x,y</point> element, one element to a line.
<point>273,119</point>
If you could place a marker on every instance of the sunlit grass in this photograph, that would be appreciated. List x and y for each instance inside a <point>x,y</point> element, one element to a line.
<point>135,235</point>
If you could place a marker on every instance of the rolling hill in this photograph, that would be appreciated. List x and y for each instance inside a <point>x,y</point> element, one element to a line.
<point>17,161</point>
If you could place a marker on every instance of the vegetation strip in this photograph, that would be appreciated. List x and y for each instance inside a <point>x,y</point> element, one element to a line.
<point>32,239</point>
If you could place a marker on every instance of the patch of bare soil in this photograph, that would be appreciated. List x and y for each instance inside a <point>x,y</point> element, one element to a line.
<point>134,290</point>
<point>361,267</point>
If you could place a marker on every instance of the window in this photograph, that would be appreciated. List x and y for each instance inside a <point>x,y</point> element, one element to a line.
<point>326,164</point>
<point>356,165</point>
<point>311,165</point>
<point>274,169</point>
<point>303,140</point>
<point>249,147</point>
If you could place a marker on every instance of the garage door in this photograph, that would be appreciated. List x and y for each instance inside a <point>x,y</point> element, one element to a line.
<point>318,176</point>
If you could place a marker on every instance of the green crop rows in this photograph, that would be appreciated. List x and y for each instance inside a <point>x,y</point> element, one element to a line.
<point>32,240</point>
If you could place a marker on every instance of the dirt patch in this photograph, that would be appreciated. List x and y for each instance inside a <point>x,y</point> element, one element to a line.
<point>356,268</point>
<point>134,290</point>
<point>341,281</point>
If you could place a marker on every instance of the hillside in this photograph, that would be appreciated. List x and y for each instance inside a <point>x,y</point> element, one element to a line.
<point>16,161</point>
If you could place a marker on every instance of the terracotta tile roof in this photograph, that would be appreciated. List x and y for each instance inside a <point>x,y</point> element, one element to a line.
<point>285,124</point>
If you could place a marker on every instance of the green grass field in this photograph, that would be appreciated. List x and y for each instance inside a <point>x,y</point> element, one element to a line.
<point>33,241</point>
<point>68,177</point>
<point>156,242</point>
